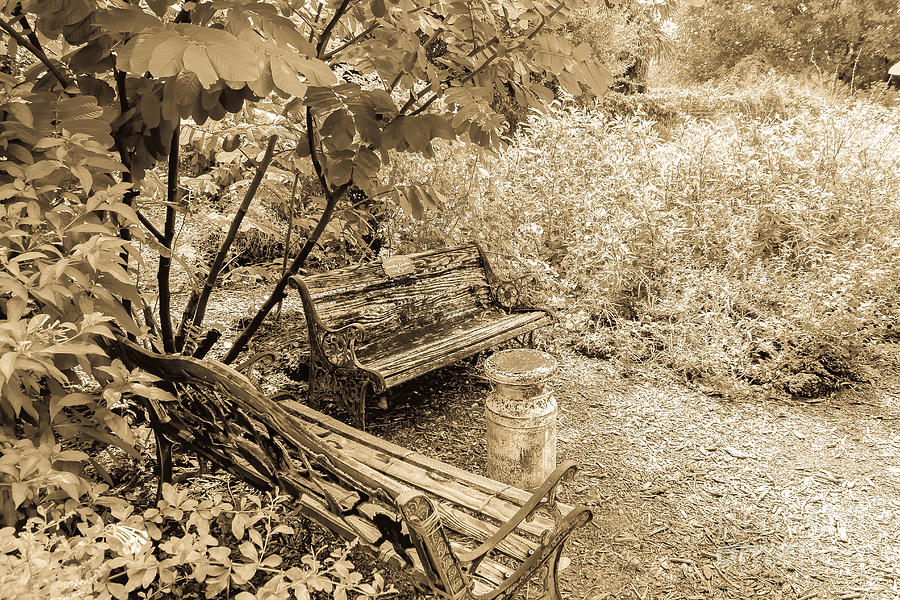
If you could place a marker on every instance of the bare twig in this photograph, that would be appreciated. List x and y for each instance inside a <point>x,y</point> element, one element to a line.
<point>37,52</point>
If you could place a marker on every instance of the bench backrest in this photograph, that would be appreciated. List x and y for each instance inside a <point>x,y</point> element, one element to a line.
<point>403,293</point>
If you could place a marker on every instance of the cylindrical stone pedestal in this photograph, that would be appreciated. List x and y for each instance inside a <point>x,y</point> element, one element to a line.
<point>521,417</point>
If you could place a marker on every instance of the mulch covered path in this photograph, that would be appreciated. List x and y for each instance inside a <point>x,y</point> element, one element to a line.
<point>698,496</point>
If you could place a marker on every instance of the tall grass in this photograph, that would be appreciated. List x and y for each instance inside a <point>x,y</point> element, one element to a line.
<point>750,247</point>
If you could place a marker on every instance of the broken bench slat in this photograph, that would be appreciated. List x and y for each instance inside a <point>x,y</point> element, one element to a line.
<point>443,487</point>
<point>461,544</point>
<point>376,325</point>
<point>486,487</point>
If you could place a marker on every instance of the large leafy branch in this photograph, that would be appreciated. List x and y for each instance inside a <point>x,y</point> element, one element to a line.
<point>356,80</point>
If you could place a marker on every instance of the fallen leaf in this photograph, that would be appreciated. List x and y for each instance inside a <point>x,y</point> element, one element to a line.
<point>736,453</point>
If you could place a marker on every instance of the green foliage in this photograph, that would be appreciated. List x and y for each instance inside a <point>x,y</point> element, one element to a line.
<point>741,249</point>
<point>106,548</point>
<point>346,86</point>
<point>657,107</point>
<point>856,41</point>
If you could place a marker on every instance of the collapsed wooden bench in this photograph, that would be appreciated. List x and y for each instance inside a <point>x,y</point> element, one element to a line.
<point>377,325</point>
<point>457,534</point>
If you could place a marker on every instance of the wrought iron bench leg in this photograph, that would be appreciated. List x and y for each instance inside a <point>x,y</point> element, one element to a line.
<point>440,564</point>
<point>551,576</point>
<point>349,386</point>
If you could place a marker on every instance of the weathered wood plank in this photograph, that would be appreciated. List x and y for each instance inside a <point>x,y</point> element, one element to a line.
<point>514,546</point>
<point>323,425</point>
<point>492,571</point>
<point>457,345</point>
<point>445,481</point>
<point>446,285</point>
<point>356,279</point>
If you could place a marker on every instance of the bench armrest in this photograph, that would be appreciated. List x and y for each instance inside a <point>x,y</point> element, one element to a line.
<point>452,573</point>
<point>336,346</point>
<point>510,294</point>
<point>544,496</point>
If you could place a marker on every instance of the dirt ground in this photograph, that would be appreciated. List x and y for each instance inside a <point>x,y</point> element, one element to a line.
<point>697,496</point>
<point>694,496</point>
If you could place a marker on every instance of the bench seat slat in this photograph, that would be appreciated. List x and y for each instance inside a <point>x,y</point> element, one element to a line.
<point>443,488</point>
<point>512,545</point>
<point>486,496</point>
<point>322,424</point>
<point>403,357</point>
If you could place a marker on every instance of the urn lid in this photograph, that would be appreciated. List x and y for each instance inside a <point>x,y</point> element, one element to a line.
<point>520,366</point>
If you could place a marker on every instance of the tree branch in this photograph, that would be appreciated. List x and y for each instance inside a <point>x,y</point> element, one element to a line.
<point>26,26</point>
<point>125,158</point>
<point>37,52</point>
<point>484,65</point>
<point>437,95</point>
<point>219,260</point>
<point>312,26</point>
<point>278,292</point>
<point>151,227</point>
<point>350,42</point>
<point>165,262</point>
<point>313,155</point>
<point>326,34</point>
<point>290,227</point>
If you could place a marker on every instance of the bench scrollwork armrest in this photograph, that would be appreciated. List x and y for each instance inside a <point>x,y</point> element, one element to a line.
<point>336,346</point>
<point>510,294</point>
<point>453,572</point>
<point>543,497</point>
<point>334,369</point>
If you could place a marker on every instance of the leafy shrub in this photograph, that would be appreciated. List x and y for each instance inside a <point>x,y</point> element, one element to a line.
<point>852,40</point>
<point>655,106</point>
<point>744,249</point>
<point>106,548</point>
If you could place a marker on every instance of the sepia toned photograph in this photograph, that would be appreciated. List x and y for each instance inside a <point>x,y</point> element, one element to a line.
<point>449,300</point>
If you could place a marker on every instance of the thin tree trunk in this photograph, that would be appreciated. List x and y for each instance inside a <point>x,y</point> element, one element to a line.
<point>219,260</point>
<point>278,293</point>
<point>165,262</point>
<point>287,236</point>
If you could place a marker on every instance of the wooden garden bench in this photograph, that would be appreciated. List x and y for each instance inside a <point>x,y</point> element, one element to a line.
<point>377,325</point>
<point>457,534</point>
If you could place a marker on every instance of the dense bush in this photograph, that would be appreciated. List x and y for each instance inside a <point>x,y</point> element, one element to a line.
<point>856,41</point>
<point>741,248</point>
